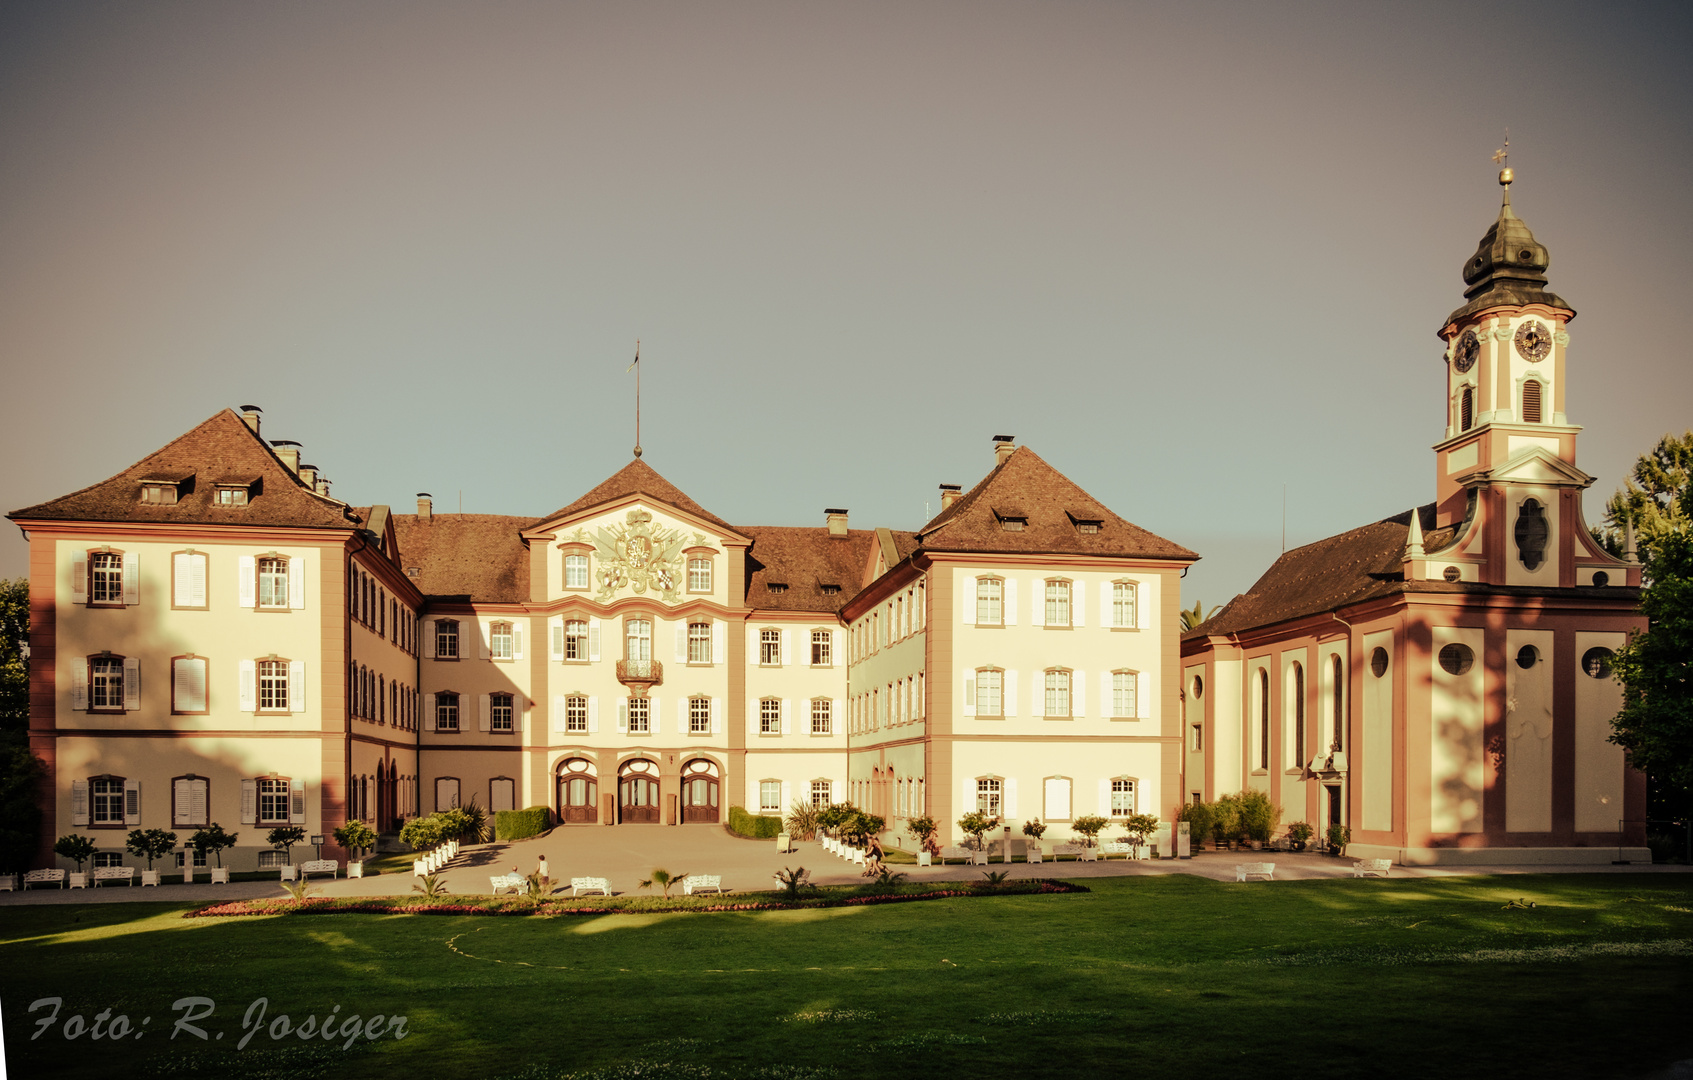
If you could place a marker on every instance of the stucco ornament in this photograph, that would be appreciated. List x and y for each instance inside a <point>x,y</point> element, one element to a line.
<point>639,556</point>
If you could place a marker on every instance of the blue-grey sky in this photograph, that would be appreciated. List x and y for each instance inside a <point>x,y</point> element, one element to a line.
<point>1189,253</point>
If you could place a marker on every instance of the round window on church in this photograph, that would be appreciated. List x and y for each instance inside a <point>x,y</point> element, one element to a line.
<point>1198,686</point>
<point>1601,579</point>
<point>1456,659</point>
<point>1528,656</point>
<point>1597,663</point>
<point>1378,662</point>
<point>1452,573</point>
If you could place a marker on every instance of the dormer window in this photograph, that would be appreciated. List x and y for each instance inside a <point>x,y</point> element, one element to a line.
<point>1084,524</point>
<point>233,490</point>
<point>776,586</point>
<point>1011,518</point>
<point>163,489</point>
<point>829,590</point>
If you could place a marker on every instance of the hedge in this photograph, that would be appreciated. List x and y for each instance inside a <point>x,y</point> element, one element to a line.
<point>519,824</point>
<point>755,826</point>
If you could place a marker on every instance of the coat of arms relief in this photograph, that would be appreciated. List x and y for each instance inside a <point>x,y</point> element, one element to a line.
<point>639,555</point>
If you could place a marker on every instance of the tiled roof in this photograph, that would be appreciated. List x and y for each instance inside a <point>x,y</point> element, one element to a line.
<point>637,478</point>
<point>805,559</point>
<point>222,447</point>
<point>1024,485</point>
<point>477,557</point>
<point>1362,564</point>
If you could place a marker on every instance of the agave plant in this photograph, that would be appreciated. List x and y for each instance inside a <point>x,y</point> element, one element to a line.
<point>431,887</point>
<point>296,889</point>
<point>665,880</point>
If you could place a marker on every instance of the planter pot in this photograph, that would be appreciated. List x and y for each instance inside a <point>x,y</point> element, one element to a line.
<point>290,872</point>
<point>220,875</point>
<point>1299,845</point>
<point>79,881</point>
<point>355,869</point>
<point>149,877</point>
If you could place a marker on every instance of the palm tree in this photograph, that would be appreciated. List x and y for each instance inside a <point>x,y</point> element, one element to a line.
<point>1191,619</point>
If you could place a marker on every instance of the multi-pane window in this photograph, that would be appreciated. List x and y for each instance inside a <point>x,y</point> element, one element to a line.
<point>576,713</point>
<point>446,712</point>
<point>576,571</point>
<point>770,796</point>
<point>500,640</point>
<point>822,793</point>
<point>105,578</point>
<point>989,700</point>
<point>822,644</point>
<point>500,713</point>
<point>273,801</point>
<point>1123,690</point>
<point>273,582</point>
<point>1122,797</point>
<point>1058,693</point>
<point>273,685</point>
<point>699,716</point>
<point>988,797</point>
<point>990,600</point>
<point>106,801</point>
<point>699,643</point>
<point>447,639</point>
<point>770,647</point>
<point>105,682</point>
<point>576,639</point>
<point>699,575</point>
<point>821,717</point>
<point>1123,603</point>
<point>770,717</point>
<point>638,639</point>
<point>1058,603</point>
<point>640,716</point>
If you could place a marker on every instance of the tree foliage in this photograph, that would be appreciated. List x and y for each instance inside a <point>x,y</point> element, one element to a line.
<point>14,656</point>
<point>150,844</point>
<point>1654,498</point>
<point>20,812</point>
<point>1655,668</point>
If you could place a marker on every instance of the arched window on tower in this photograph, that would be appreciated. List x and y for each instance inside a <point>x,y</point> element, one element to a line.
<point>1466,409</point>
<point>1531,401</point>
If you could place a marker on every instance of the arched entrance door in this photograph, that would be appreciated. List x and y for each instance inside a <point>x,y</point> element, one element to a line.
<point>637,793</point>
<point>699,791</point>
<point>578,793</point>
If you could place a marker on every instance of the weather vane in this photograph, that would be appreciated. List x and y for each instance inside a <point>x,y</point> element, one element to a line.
<point>1504,152</point>
<point>1500,157</point>
<point>636,368</point>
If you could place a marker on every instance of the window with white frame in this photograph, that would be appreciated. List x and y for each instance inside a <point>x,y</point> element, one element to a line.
<point>640,716</point>
<point>1058,603</point>
<point>1123,600</point>
<point>699,575</point>
<point>1123,689</point>
<point>188,684</point>
<point>989,796</point>
<point>446,712</point>
<point>770,716</point>
<point>770,648</point>
<point>821,717</point>
<point>1057,693</point>
<point>822,645</point>
<point>576,714</point>
<point>1122,797</point>
<point>770,796</point>
<point>447,639</point>
<point>990,601</point>
<point>105,683</point>
<point>822,793</point>
<point>699,643</point>
<point>699,716</point>
<point>273,686</point>
<point>576,571</point>
<point>105,795</point>
<point>270,860</point>
<point>637,639</point>
<point>105,578</point>
<point>989,698</point>
<point>500,640</point>
<point>500,713</point>
<point>575,639</point>
<point>1056,791</point>
<point>273,582</point>
<point>273,801</point>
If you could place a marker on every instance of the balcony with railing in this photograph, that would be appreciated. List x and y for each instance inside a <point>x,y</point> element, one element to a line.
<point>640,673</point>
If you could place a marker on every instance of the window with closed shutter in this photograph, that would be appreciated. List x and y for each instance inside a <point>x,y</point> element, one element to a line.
<point>1531,401</point>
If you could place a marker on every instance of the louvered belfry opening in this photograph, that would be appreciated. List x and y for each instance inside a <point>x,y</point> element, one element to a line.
<point>1531,401</point>
<point>1466,410</point>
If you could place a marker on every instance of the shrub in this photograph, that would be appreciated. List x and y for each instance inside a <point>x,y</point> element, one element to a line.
<point>1088,827</point>
<point>1139,827</point>
<point>1034,828</point>
<point>830,818</point>
<point>1338,837</point>
<point>861,827</point>
<point>1201,818</point>
<point>356,836</point>
<point>150,844</point>
<point>1225,819</point>
<point>76,847</point>
<point>754,826</point>
<point>521,824</point>
<point>923,830</point>
<point>975,824</point>
<point>665,880</point>
<point>284,839</point>
<point>1259,817</point>
<point>801,822</point>
<point>421,833</point>
<point>212,840</point>
<point>795,883</point>
<point>431,887</point>
<point>1300,832</point>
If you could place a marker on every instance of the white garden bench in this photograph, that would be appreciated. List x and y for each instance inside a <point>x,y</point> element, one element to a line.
<point>103,874</point>
<point>1247,870</point>
<point>319,866</point>
<point>1372,867</point>
<point>1072,850</point>
<point>514,882</point>
<point>42,877</point>
<point>580,885</point>
<point>1117,847</point>
<point>962,854</point>
<point>694,883</point>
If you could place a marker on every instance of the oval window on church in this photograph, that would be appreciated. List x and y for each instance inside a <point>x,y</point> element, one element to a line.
<point>1456,659</point>
<point>1378,662</point>
<point>1528,656</point>
<point>1597,663</point>
<point>1531,534</point>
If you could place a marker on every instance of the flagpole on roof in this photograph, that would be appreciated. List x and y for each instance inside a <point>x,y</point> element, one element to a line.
<point>636,368</point>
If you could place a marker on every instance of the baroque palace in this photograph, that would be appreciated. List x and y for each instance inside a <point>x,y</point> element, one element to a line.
<point>214,638</point>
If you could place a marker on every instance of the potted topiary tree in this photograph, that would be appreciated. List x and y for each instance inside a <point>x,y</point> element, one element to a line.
<point>212,840</point>
<point>1200,818</point>
<point>1225,821</point>
<point>356,837</point>
<point>976,823</point>
<point>1139,827</point>
<point>1088,827</point>
<point>150,844</point>
<point>1338,837</point>
<point>1259,817</point>
<point>1034,829</point>
<point>79,849</point>
<point>1299,834</point>
<point>284,839</point>
<point>923,830</point>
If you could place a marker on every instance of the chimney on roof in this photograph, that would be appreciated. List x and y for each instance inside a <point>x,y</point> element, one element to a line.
<point>425,506</point>
<point>252,414</point>
<point>1003,445</point>
<point>322,486</point>
<point>950,493</point>
<point>837,520</point>
<point>289,451</point>
<point>308,474</point>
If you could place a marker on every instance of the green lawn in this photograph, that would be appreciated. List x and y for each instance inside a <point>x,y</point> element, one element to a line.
<point>1145,976</point>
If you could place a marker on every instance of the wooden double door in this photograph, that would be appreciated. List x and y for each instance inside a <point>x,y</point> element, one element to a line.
<point>638,799</point>
<point>699,799</point>
<point>578,799</point>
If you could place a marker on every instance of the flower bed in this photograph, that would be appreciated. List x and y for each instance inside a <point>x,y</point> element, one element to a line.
<point>619,904</point>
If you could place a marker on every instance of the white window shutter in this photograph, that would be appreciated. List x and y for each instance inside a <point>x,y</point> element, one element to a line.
<point>296,686</point>
<point>485,714</point>
<point>429,712</point>
<point>132,577</point>
<point>719,641</point>
<point>79,579</point>
<point>131,683</point>
<point>1078,605</point>
<point>429,639</point>
<point>682,642</point>
<point>559,710</point>
<point>1010,797</point>
<point>1107,607</point>
<point>79,802</point>
<point>1141,617</point>
<point>181,802</point>
<point>1107,695</point>
<point>785,798</point>
<point>969,598</point>
<point>249,801</point>
<point>297,582</point>
<point>1037,603</point>
<point>249,695</point>
<point>810,713</point>
<point>1143,709</point>
<point>246,573</point>
<point>652,715</point>
<point>557,628</point>
<point>1079,693</point>
<point>786,634</point>
<point>1104,798</point>
<point>752,716</point>
<point>79,684</point>
<point>835,648</point>
<point>132,802</point>
<point>787,727</point>
<point>516,640</point>
<point>181,686</point>
<point>966,795</point>
<point>181,584</point>
<point>197,810</point>
<point>594,639</point>
<point>835,714</point>
<point>623,716</point>
<point>484,638</point>
<point>835,791</point>
<point>969,694</point>
<point>296,802</point>
<point>716,716</point>
<point>1008,693</point>
<point>593,714</point>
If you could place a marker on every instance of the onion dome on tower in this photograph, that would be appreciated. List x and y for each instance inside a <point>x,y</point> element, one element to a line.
<point>1508,268</point>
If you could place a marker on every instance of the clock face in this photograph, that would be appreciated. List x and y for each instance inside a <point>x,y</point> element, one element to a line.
<point>1534,341</point>
<point>1464,355</point>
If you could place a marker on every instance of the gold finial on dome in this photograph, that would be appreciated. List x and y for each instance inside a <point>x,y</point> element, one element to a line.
<point>1505,177</point>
